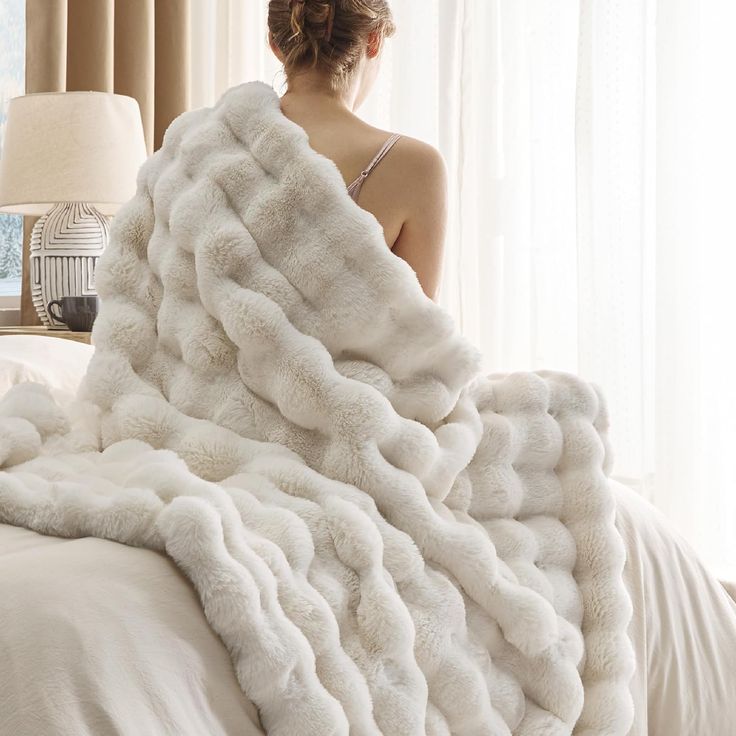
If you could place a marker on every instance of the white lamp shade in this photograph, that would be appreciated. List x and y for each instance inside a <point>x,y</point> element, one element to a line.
<point>70,147</point>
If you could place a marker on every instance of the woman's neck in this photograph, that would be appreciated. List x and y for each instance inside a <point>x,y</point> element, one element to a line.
<point>310,88</point>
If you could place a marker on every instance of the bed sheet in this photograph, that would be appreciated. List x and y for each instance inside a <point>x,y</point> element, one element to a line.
<point>683,629</point>
<point>101,639</point>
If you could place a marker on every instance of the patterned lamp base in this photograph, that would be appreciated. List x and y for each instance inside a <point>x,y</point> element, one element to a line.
<point>66,244</point>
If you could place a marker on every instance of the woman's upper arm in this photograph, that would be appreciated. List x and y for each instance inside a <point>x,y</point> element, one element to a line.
<point>421,240</point>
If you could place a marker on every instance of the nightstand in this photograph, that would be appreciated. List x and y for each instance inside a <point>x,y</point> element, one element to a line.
<point>47,332</point>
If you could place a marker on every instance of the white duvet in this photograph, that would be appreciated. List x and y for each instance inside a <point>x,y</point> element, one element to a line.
<point>683,629</point>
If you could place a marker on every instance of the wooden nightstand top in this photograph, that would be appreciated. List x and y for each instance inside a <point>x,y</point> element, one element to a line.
<point>46,332</point>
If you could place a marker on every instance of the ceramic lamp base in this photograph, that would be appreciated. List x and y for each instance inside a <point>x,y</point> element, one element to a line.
<point>66,244</point>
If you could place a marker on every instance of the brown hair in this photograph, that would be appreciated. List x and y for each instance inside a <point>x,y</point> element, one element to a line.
<point>327,34</point>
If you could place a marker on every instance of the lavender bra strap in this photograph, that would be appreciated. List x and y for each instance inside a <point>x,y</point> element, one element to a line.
<point>355,186</point>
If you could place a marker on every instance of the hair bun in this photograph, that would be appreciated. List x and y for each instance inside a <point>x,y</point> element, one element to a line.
<point>312,20</point>
<point>329,34</point>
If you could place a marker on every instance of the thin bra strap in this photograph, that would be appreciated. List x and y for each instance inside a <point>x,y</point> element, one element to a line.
<point>354,188</point>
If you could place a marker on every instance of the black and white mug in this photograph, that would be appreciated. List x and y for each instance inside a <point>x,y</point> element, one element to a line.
<point>76,312</point>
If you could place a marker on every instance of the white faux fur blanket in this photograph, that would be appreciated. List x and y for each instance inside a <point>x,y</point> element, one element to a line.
<point>387,541</point>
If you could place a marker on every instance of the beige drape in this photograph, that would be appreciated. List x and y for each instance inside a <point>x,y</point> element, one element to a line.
<point>138,48</point>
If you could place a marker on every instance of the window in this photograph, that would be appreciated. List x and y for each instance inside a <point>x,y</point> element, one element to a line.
<point>12,84</point>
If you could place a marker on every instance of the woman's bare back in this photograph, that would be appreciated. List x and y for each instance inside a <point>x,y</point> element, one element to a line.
<point>406,191</point>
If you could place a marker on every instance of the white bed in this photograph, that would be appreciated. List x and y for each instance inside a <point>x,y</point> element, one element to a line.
<point>683,629</point>
<point>105,639</point>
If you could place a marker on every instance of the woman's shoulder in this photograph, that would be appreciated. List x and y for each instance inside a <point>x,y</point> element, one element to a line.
<point>414,152</point>
<point>421,164</point>
<point>411,158</point>
<point>420,157</point>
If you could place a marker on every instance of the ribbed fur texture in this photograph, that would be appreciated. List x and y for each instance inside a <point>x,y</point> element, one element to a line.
<point>387,541</point>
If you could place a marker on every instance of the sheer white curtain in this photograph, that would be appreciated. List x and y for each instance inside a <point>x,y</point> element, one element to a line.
<point>590,147</point>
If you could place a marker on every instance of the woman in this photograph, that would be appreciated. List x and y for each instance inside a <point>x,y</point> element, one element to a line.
<point>331,55</point>
<point>682,616</point>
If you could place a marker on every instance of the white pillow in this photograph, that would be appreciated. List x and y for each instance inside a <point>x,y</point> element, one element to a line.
<point>52,361</point>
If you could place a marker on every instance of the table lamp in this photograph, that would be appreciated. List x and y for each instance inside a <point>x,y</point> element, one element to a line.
<point>72,158</point>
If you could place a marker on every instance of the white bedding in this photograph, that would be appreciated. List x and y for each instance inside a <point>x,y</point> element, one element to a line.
<point>683,629</point>
<point>57,363</point>
<point>102,639</point>
<point>106,639</point>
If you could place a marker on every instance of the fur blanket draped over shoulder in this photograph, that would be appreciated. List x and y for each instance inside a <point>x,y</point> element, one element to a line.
<point>386,540</point>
